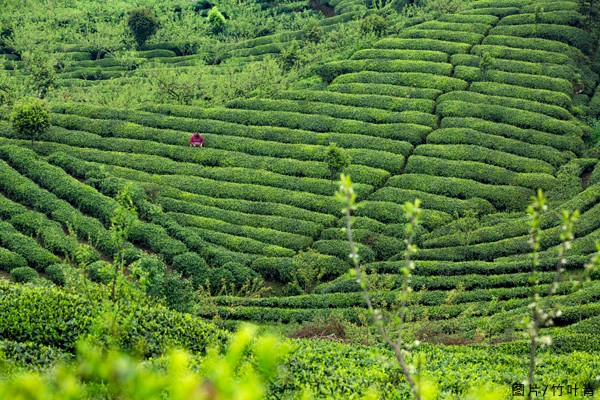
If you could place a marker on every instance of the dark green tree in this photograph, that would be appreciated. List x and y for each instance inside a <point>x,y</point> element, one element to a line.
<point>337,160</point>
<point>30,118</point>
<point>216,20</point>
<point>373,24</point>
<point>143,24</point>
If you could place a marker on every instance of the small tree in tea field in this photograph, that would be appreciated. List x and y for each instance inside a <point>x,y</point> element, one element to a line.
<point>143,24</point>
<point>337,159</point>
<point>30,118</point>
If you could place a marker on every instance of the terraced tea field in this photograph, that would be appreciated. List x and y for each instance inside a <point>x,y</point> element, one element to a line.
<point>470,112</point>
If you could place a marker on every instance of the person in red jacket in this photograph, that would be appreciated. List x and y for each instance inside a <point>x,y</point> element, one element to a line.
<point>196,140</point>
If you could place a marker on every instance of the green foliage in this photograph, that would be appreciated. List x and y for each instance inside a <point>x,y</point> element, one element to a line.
<point>10,260</point>
<point>216,20</point>
<point>24,274</point>
<point>337,160</point>
<point>101,272</point>
<point>56,273</point>
<point>373,24</point>
<point>143,24</point>
<point>30,118</point>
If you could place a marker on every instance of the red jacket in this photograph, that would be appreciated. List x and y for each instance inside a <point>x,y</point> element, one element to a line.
<point>194,139</point>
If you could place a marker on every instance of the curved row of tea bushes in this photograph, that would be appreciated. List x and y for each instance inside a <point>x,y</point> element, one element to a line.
<point>244,220</point>
<point>526,105</point>
<point>508,115</point>
<point>385,90</point>
<point>10,260</point>
<point>383,246</point>
<point>388,212</point>
<point>341,250</point>
<point>561,17</point>
<point>187,123</point>
<point>468,19</point>
<point>541,96</point>
<point>516,66</point>
<point>522,54</point>
<point>283,158</point>
<point>23,190</point>
<point>164,166</point>
<point>423,44</point>
<point>87,199</point>
<point>418,79</point>
<point>212,188</point>
<point>501,197</point>
<point>433,201</point>
<point>265,235</point>
<point>479,172</point>
<point>541,156</point>
<point>565,34</point>
<point>232,242</point>
<point>391,103</point>
<point>532,44</point>
<point>361,113</point>
<point>475,27</point>
<point>472,74</point>
<point>36,256</point>
<point>76,143</point>
<point>565,143</point>
<point>499,12</point>
<point>328,72</point>
<point>55,318</point>
<point>416,32</point>
<point>387,54</point>
<point>484,155</point>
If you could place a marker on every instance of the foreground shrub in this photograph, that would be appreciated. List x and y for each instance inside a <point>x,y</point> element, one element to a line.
<point>24,274</point>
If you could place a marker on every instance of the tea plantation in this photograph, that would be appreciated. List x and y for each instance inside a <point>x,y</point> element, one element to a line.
<point>115,232</point>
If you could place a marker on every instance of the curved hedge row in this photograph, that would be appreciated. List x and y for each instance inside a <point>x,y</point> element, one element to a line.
<point>419,79</point>
<point>501,197</point>
<point>526,54</point>
<point>209,187</point>
<point>526,105</point>
<point>562,17</point>
<point>513,116</point>
<point>543,156</point>
<point>36,256</point>
<point>479,172</point>
<point>341,250</point>
<point>388,212</point>
<point>512,78</point>
<point>382,245</point>
<point>499,12</point>
<point>386,54</point>
<point>475,27</point>
<point>10,260</point>
<point>385,90</point>
<point>300,159</point>
<point>555,5</point>
<point>265,235</point>
<point>532,44</point>
<point>390,103</point>
<point>470,38</point>
<point>154,119</point>
<point>484,155</point>
<point>366,113</point>
<point>542,96</point>
<point>423,44</point>
<point>243,220</point>
<point>510,131</point>
<point>433,201</point>
<point>560,33</point>
<point>163,166</point>
<point>328,72</point>
<point>469,19</point>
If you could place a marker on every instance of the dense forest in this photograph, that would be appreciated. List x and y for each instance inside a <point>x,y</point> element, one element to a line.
<point>340,199</point>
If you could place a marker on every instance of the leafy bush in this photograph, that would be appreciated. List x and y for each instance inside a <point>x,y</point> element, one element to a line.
<point>10,260</point>
<point>385,90</point>
<point>337,159</point>
<point>560,33</point>
<point>191,265</point>
<point>101,272</point>
<point>143,23</point>
<point>419,79</point>
<point>565,143</point>
<point>442,35</point>
<point>216,20</point>
<point>24,274</point>
<point>56,274</point>
<point>334,69</point>
<point>373,24</point>
<point>241,275</point>
<point>30,118</point>
<point>36,256</point>
<point>531,43</point>
<point>524,54</point>
<point>387,54</point>
<point>542,96</point>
